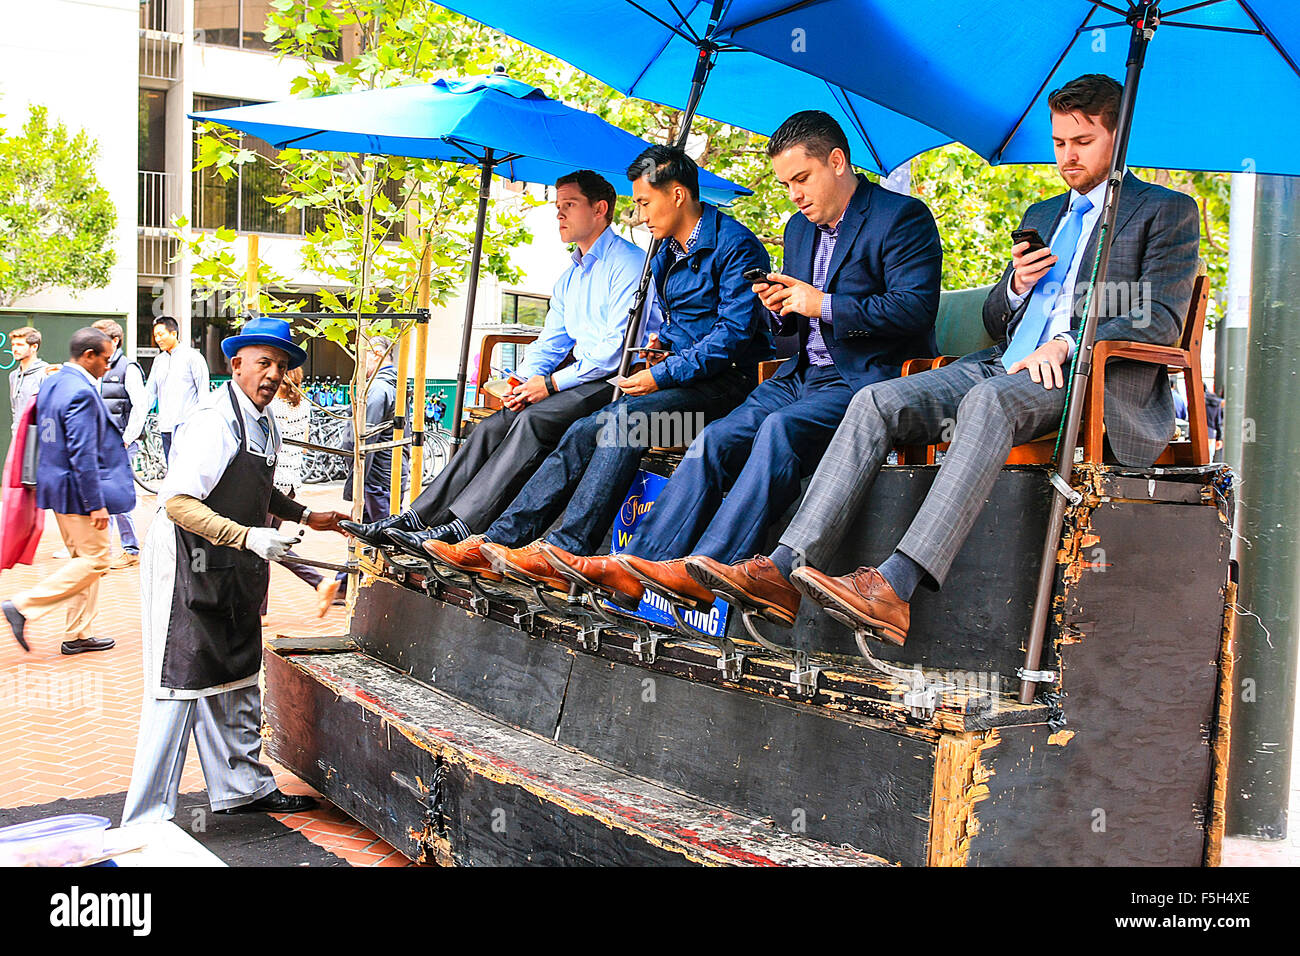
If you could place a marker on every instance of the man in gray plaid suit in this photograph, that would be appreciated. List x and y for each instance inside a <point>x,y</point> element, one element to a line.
<point>1006,395</point>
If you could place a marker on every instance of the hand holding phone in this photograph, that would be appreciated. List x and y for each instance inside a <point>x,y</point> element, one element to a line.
<point>755,275</point>
<point>1031,263</point>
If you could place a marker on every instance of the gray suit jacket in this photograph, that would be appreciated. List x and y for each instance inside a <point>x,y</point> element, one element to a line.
<point>1153,258</point>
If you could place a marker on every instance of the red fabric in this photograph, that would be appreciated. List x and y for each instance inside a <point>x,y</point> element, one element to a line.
<point>21,522</point>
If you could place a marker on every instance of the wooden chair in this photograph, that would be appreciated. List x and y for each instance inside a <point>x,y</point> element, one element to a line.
<point>1185,357</point>
<point>484,399</point>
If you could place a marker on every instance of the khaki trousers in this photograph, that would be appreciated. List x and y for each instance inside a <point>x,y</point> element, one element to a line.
<point>76,583</point>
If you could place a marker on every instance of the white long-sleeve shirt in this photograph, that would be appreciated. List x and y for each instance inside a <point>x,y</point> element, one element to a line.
<point>179,383</point>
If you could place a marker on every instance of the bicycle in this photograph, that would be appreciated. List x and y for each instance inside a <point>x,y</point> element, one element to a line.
<point>149,464</point>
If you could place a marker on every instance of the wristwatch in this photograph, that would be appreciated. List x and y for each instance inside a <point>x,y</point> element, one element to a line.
<point>306,513</point>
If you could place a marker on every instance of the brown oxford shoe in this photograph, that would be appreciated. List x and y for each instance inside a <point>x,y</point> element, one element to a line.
<point>755,583</point>
<point>465,556</point>
<point>670,579</point>
<point>601,573</point>
<point>864,597</point>
<point>525,564</point>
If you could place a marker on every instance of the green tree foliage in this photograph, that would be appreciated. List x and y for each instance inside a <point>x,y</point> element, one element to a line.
<point>56,220</point>
<point>977,205</point>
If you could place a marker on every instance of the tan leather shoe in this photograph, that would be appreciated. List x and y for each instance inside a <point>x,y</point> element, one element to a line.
<point>525,564</point>
<point>670,579</point>
<point>600,573</point>
<point>755,583</point>
<point>326,592</point>
<point>863,596</point>
<point>465,556</point>
<point>125,560</point>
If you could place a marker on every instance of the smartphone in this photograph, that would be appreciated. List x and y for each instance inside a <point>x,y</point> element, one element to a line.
<point>651,351</point>
<point>755,275</point>
<point>1030,236</point>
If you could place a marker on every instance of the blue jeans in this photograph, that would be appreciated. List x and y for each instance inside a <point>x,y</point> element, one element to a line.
<point>588,474</point>
<point>757,456</point>
<point>125,523</point>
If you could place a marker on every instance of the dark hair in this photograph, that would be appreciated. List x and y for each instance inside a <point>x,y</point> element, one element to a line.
<point>661,165</point>
<point>167,322</point>
<point>1093,94</point>
<point>815,131</point>
<point>594,187</point>
<point>88,340</point>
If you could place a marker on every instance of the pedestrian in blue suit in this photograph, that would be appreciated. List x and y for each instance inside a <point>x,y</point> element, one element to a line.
<point>860,291</point>
<point>83,476</point>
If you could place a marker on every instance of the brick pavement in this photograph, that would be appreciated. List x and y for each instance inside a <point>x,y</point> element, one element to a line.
<point>68,724</point>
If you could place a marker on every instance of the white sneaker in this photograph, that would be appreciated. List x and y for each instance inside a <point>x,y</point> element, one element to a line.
<point>62,553</point>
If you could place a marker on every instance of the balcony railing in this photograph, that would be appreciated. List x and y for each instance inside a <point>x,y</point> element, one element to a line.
<point>157,200</point>
<point>161,16</point>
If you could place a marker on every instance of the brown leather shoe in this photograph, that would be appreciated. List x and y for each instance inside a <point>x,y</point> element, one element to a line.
<point>464,556</point>
<point>526,564</point>
<point>670,579</point>
<point>860,599</point>
<point>601,573</point>
<point>755,583</point>
<point>125,560</point>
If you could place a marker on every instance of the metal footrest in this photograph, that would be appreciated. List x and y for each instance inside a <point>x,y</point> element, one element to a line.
<point>922,696</point>
<point>804,674</point>
<point>731,661</point>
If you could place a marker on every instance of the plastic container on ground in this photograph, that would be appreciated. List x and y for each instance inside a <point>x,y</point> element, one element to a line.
<point>54,841</point>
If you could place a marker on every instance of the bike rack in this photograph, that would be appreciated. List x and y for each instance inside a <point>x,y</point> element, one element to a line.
<point>804,674</point>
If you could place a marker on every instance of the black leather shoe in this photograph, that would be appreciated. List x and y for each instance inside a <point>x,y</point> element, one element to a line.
<point>16,622</point>
<point>87,644</point>
<point>275,802</point>
<point>373,533</point>
<point>412,542</point>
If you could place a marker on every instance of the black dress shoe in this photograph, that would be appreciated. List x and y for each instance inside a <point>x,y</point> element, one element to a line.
<point>87,644</point>
<point>412,542</point>
<point>16,622</point>
<point>275,802</point>
<point>373,533</point>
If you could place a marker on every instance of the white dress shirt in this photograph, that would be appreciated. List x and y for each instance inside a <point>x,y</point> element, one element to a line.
<point>207,441</point>
<point>179,382</point>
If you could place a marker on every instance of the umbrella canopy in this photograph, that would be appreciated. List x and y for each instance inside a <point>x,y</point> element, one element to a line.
<point>648,49</point>
<point>532,137</point>
<point>1214,81</point>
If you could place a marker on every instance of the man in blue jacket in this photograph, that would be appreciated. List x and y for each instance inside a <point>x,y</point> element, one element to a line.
<point>860,290</point>
<point>83,476</point>
<point>714,332</point>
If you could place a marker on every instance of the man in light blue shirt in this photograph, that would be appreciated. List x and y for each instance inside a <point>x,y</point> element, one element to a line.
<point>587,320</point>
<point>178,381</point>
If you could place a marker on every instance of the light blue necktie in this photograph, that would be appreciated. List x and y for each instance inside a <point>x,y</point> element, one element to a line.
<point>1038,315</point>
<point>265,428</point>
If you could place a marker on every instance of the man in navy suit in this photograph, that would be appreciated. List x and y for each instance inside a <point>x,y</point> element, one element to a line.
<point>860,290</point>
<point>83,476</point>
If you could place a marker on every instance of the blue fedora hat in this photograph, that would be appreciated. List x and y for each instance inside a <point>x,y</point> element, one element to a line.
<point>265,330</point>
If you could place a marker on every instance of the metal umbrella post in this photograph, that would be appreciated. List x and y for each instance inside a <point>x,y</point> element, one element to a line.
<point>471,294</point>
<point>1143,17</point>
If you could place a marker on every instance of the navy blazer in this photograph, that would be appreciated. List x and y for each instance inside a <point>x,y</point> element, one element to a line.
<point>884,279</point>
<point>82,465</point>
<point>711,317</point>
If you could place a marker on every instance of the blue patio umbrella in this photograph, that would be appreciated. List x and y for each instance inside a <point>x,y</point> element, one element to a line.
<point>501,125</point>
<point>1211,94</point>
<point>650,49</point>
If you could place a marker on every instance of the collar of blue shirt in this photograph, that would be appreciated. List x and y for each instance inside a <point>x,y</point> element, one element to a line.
<point>596,252</point>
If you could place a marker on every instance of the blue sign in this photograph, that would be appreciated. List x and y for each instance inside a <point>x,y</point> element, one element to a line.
<point>653,608</point>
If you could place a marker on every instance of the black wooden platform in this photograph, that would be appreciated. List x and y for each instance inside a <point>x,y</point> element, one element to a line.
<point>440,722</point>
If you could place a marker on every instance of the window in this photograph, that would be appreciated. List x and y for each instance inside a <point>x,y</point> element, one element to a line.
<point>520,309</point>
<point>240,202</point>
<point>241,23</point>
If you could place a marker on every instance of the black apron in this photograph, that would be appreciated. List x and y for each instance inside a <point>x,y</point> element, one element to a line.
<point>215,636</point>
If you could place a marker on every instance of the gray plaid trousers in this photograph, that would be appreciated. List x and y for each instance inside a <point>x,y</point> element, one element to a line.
<point>972,402</point>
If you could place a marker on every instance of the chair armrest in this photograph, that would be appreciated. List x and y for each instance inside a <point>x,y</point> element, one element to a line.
<point>767,369</point>
<point>1140,352</point>
<point>486,347</point>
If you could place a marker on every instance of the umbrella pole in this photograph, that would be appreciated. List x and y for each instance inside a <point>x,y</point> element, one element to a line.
<point>706,54</point>
<point>467,331</point>
<point>1142,16</point>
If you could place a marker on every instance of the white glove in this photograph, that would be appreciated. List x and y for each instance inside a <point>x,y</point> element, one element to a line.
<point>268,543</point>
